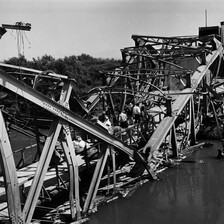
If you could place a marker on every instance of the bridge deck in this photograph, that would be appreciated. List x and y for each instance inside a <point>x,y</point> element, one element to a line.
<point>25,176</point>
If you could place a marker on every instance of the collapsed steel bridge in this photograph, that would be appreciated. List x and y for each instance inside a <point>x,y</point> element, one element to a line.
<point>177,79</point>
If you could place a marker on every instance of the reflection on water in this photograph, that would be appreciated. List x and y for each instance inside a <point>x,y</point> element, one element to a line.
<point>192,192</point>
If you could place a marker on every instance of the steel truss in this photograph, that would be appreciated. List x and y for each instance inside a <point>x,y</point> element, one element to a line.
<point>173,77</point>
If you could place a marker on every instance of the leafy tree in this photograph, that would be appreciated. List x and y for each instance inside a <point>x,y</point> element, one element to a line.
<point>20,61</point>
<point>83,68</point>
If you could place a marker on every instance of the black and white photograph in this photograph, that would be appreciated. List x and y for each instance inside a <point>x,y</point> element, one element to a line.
<point>111,111</point>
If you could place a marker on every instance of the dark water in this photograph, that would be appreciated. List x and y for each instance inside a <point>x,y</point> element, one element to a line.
<point>18,142</point>
<point>192,192</point>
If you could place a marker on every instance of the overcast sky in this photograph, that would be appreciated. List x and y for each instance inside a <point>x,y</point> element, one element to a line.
<point>99,28</point>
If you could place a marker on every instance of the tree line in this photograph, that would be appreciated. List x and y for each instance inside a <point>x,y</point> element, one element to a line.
<point>84,68</point>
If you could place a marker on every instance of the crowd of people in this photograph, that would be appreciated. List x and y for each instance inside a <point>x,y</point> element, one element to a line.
<point>134,114</point>
<point>131,114</point>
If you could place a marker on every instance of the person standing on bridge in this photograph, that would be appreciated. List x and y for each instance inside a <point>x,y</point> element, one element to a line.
<point>123,119</point>
<point>79,144</point>
<point>129,112</point>
<point>102,117</point>
<point>83,149</point>
<point>136,113</point>
<point>107,122</point>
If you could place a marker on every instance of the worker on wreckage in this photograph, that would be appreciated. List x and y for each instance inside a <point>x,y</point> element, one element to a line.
<point>79,144</point>
<point>85,149</point>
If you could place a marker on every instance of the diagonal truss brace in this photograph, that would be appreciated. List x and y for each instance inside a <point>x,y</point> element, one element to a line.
<point>167,123</point>
<point>10,176</point>
<point>64,113</point>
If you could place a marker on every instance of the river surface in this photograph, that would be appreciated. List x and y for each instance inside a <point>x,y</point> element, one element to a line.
<point>189,193</point>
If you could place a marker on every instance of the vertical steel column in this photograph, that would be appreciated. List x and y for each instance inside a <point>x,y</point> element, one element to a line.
<point>188,80</point>
<point>114,166</point>
<point>192,120</point>
<point>169,106</point>
<point>71,157</point>
<point>124,96</point>
<point>10,176</point>
<point>139,63</point>
<point>75,170</point>
<point>71,177</point>
<point>96,179</point>
<point>174,142</point>
<point>205,97</point>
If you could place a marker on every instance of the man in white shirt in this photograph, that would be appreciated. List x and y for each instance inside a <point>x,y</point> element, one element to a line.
<point>107,122</point>
<point>136,113</point>
<point>79,144</point>
<point>123,119</point>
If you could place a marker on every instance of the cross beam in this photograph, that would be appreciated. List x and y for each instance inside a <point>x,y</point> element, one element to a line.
<point>167,123</point>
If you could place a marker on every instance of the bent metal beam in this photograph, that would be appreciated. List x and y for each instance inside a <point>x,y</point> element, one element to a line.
<point>65,114</point>
<point>167,123</point>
